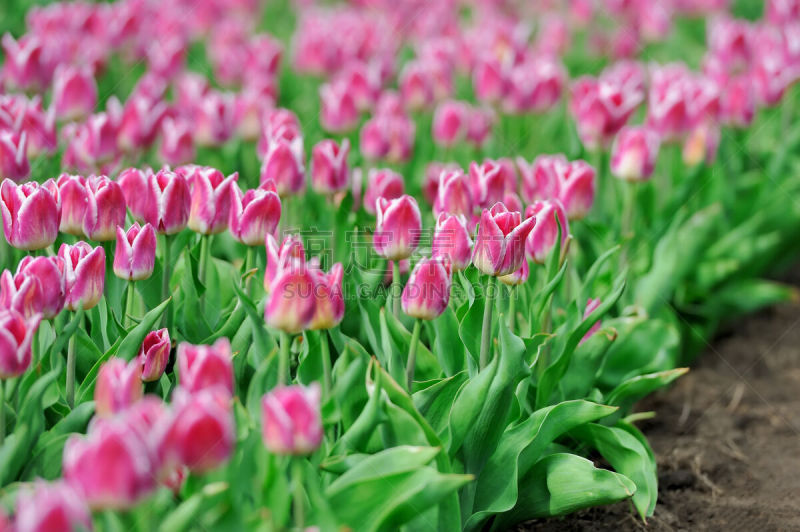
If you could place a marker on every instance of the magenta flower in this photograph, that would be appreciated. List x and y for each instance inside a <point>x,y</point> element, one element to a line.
<point>74,92</point>
<point>177,142</point>
<point>214,119</point>
<point>84,275</point>
<point>140,122</point>
<point>542,238</point>
<point>154,355</point>
<point>398,227</point>
<point>329,169</point>
<point>328,297</point>
<point>118,386</point>
<point>167,202</point>
<point>290,249</point>
<point>450,123</point>
<point>602,106</point>
<point>105,208</point>
<point>454,194</point>
<point>135,254</point>
<point>133,183</point>
<point>30,215</point>
<point>452,240</point>
<point>202,367</point>
<point>427,292</point>
<point>500,244</point>
<point>290,284</point>
<point>283,164</point>
<point>382,183</point>
<point>634,153</point>
<point>26,63</point>
<point>16,337</point>
<point>291,420</point>
<point>489,182</point>
<point>73,199</point>
<point>479,125</point>
<point>338,111</point>
<point>38,287</point>
<point>255,214</point>
<point>210,198</point>
<point>572,183</point>
<point>51,506</point>
<point>14,163</point>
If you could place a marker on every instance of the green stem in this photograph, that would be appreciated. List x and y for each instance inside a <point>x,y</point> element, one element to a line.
<point>629,209</point>
<point>130,296</point>
<point>249,264</point>
<point>167,320</point>
<point>486,330</point>
<point>71,372</point>
<point>326,365</point>
<point>512,304</point>
<point>412,355</point>
<point>283,360</point>
<point>2,411</point>
<point>299,495</point>
<point>397,288</point>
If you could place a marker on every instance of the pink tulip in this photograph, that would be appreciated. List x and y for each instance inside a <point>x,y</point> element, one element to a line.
<point>328,297</point>
<point>542,237</point>
<point>84,275</point>
<point>291,420</point>
<point>26,65</point>
<point>38,287</point>
<point>291,249</point>
<point>30,215</point>
<point>133,183</point>
<point>433,171</point>
<point>140,122</point>
<point>416,85</point>
<point>488,181</point>
<point>517,277</point>
<point>214,119</point>
<point>202,367</point>
<point>16,337</point>
<point>398,227</point>
<point>210,198</point>
<point>387,137</point>
<point>74,92</point>
<point>573,183</point>
<point>731,40</point>
<point>154,355</point>
<point>105,209</point>
<point>167,202</point>
<point>283,164</point>
<point>135,254</point>
<point>338,111</point>
<point>14,163</point>
<point>202,433</point>
<point>290,284</point>
<point>450,123</point>
<point>51,506</point>
<point>382,183</point>
<point>92,144</point>
<point>479,125</point>
<point>118,386</point>
<point>634,153</point>
<point>739,102</point>
<point>329,170</point>
<point>39,127</point>
<point>500,244</point>
<point>427,292</point>
<point>667,111</point>
<point>177,142</point>
<point>490,78</point>
<point>535,85</point>
<point>73,198</point>
<point>254,214</point>
<point>452,240</point>
<point>601,107</point>
<point>279,125</point>
<point>110,466</point>
<point>362,81</point>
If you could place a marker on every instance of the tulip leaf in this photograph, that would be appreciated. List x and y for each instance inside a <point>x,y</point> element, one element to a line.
<point>265,378</point>
<point>61,340</point>
<point>562,483</point>
<point>630,391</point>
<point>644,346</point>
<point>185,516</point>
<point>427,368</point>
<point>231,325</point>
<point>263,340</point>
<point>436,401</point>
<point>358,434</point>
<point>195,327</point>
<point>469,330</point>
<point>520,448</point>
<point>586,362</point>
<point>449,353</point>
<point>587,289</point>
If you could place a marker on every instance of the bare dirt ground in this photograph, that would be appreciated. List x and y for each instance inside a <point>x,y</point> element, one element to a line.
<point>726,438</point>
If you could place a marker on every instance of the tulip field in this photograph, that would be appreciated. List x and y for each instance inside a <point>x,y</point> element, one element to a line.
<point>374,265</point>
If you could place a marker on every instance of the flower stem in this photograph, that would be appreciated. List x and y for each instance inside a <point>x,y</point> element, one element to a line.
<point>326,365</point>
<point>283,360</point>
<point>512,304</point>
<point>249,264</point>
<point>167,320</point>
<point>299,494</point>
<point>629,208</point>
<point>71,372</point>
<point>412,355</point>
<point>397,288</point>
<point>486,330</point>
<point>130,295</point>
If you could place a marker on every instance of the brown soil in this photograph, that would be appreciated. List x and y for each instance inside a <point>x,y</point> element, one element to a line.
<point>726,438</point>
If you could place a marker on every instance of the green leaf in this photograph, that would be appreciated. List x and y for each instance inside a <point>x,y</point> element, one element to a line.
<point>449,353</point>
<point>644,346</point>
<point>263,340</point>
<point>630,391</point>
<point>186,515</point>
<point>587,360</point>
<point>470,328</point>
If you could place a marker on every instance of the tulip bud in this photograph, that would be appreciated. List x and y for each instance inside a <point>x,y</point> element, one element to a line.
<point>573,183</point>
<point>133,183</point>
<point>427,292</point>
<point>254,215</point>
<point>479,125</point>
<point>26,65</point>
<point>433,171</point>
<point>291,420</point>
<point>211,198</point>
<point>214,119</point>
<point>135,254</point>
<point>388,137</point>
<point>84,275</point>
<point>38,287</point>
<point>633,156</point>
<point>118,386</point>
<point>204,367</point>
<point>177,142</point>
<point>542,237</point>
<point>74,93</point>
<point>500,244</point>
<point>382,183</point>
<point>291,305</point>
<point>16,336</point>
<point>328,297</point>
<point>154,355</point>
<point>14,163</point>
<point>490,78</point>
<point>279,125</point>
<point>30,215</point>
<point>202,433</point>
<point>488,182</point>
<point>398,227</point>
<point>452,240</point>
<point>51,506</point>
<point>450,123</point>
<point>110,466</point>
<point>453,195</point>
<point>73,198</point>
<point>168,202</point>
<point>105,208</point>
<point>283,164</point>
<point>140,122</point>
<point>338,111</point>
<point>329,166</point>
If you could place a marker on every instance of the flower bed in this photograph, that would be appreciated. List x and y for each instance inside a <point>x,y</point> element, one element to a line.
<point>485,231</point>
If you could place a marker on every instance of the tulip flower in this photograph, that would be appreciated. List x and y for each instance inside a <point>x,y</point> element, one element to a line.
<point>118,386</point>
<point>39,127</point>
<point>427,292</point>
<point>453,195</point>
<point>167,202</point>
<point>572,183</point>
<point>450,123</point>
<point>452,240</point>
<point>16,337</point>
<point>154,355</point>
<point>202,434</point>
<point>329,166</point>
<point>382,183</point>
<point>30,215</point>
<point>255,214</point>
<point>387,137</point>
<point>739,102</point>
<point>701,145</point>
<point>279,125</point>
<point>479,125</point>
<point>92,144</point>
<point>51,506</point>
<point>291,305</point>
<point>500,244</point>
<point>601,107</point>
<point>74,92</point>
<point>338,110</point>
<point>14,163</point>
<point>488,182</point>
<point>140,122</point>
<point>542,238</point>
<point>210,198</point>
<point>329,300</point>
<point>202,367</point>
<point>214,119</point>
<point>26,62</point>
<point>283,164</point>
<point>110,466</point>
<point>291,422</point>
<point>634,153</point>
<point>84,275</point>
<point>73,199</point>
<point>535,85</point>
<point>277,257</point>
<point>177,142</point>
<point>105,208</point>
<point>135,254</point>
<point>433,172</point>
<point>38,287</point>
<point>516,277</point>
<point>398,227</point>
